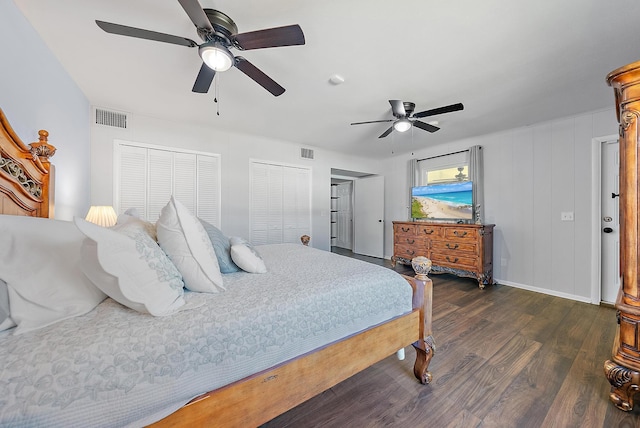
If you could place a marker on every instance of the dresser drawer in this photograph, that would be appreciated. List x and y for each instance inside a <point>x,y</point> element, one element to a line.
<point>402,230</point>
<point>457,234</point>
<point>408,251</point>
<point>455,246</point>
<point>462,261</point>
<point>410,240</point>
<point>427,231</point>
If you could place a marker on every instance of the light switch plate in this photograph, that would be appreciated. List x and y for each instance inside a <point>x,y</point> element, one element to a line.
<point>566,216</point>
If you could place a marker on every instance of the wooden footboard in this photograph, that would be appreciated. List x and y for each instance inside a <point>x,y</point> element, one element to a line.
<point>259,398</point>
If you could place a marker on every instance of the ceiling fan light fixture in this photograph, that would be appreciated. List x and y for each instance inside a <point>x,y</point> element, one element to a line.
<point>216,56</point>
<point>402,125</point>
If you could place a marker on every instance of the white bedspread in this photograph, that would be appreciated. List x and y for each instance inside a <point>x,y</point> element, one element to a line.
<point>117,367</point>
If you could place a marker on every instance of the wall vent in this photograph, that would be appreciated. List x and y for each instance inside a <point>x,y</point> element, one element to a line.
<point>306,153</point>
<point>111,118</point>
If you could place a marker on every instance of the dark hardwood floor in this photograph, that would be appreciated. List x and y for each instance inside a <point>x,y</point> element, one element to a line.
<point>505,357</point>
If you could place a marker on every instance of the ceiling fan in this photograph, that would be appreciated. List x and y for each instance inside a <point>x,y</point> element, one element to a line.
<point>405,118</point>
<point>219,34</point>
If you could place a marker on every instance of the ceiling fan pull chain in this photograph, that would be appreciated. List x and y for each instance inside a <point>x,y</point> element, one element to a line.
<point>215,98</point>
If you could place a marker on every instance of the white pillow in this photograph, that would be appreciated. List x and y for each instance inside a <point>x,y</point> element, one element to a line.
<point>128,265</point>
<point>244,255</point>
<point>133,212</point>
<point>40,262</point>
<point>182,237</point>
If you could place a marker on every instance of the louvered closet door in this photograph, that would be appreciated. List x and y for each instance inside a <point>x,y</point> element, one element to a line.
<point>296,204</point>
<point>259,203</point>
<point>274,205</point>
<point>160,183</point>
<point>208,190</point>
<point>148,176</point>
<point>184,185</point>
<point>132,179</point>
<point>280,203</point>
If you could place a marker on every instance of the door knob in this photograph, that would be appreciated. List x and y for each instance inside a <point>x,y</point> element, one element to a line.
<point>607,230</point>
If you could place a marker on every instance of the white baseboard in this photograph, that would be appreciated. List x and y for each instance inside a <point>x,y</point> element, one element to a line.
<point>546,291</point>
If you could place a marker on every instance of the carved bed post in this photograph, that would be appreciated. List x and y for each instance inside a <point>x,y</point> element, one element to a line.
<point>43,151</point>
<point>623,370</point>
<point>425,346</point>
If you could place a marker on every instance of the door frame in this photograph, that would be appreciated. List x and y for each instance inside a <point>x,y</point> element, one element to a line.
<point>596,213</point>
<point>351,179</point>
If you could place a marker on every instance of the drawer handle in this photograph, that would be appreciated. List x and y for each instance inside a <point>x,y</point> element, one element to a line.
<point>460,234</point>
<point>428,232</point>
<point>406,230</point>
<point>411,241</point>
<point>452,261</point>
<point>454,247</point>
<point>411,252</point>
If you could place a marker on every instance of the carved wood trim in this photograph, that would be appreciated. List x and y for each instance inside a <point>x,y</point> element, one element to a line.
<point>25,172</point>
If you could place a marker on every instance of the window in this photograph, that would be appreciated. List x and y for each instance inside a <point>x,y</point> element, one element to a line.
<point>444,169</point>
<point>146,176</point>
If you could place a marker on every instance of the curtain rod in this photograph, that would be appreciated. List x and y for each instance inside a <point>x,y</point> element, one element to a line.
<point>448,154</point>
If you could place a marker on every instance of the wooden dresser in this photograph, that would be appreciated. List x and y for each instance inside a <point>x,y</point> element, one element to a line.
<point>623,369</point>
<point>459,249</point>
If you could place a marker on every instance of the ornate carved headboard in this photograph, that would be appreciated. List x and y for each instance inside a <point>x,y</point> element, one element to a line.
<point>26,175</point>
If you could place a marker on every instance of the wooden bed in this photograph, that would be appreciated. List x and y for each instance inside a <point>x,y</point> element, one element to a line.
<point>26,188</point>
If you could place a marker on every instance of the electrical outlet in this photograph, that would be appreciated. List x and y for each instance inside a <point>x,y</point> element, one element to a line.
<point>566,216</point>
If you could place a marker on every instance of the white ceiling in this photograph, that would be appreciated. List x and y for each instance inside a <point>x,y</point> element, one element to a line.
<point>510,62</point>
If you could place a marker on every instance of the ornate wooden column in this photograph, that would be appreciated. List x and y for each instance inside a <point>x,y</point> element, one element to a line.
<point>623,369</point>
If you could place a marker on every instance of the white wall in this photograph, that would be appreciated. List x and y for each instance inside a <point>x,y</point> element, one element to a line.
<point>532,174</point>
<point>236,150</point>
<point>37,93</point>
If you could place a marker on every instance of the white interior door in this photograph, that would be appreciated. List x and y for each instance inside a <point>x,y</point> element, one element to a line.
<point>368,216</point>
<point>609,222</point>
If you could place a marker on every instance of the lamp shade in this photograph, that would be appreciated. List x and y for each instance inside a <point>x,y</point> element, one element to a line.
<point>402,125</point>
<point>102,215</point>
<point>216,56</point>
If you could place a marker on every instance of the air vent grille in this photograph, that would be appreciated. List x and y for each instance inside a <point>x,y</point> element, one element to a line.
<point>306,153</point>
<point>111,118</point>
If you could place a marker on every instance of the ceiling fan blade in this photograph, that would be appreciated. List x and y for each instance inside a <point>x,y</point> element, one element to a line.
<point>204,79</point>
<point>196,14</point>
<point>440,110</point>
<point>373,121</point>
<point>387,132</point>
<point>256,74</point>
<point>139,33</point>
<point>426,126</point>
<point>397,107</point>
<point>270,38</point>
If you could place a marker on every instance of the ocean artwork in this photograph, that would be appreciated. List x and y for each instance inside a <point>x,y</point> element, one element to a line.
<point>443,201</point>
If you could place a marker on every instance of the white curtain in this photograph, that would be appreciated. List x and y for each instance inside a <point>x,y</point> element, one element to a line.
<point>414,180</point>
<point>476,174</point>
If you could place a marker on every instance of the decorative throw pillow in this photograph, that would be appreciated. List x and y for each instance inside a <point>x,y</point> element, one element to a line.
<point>130,267</point>
<point>133,212</point>
<point>150,227</point>
<point>184,240</point>
<point>245,256</point>
<point>222,248</point>
<point>40,263</point>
